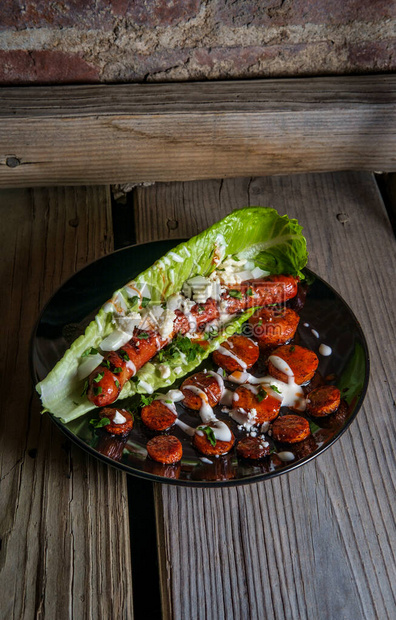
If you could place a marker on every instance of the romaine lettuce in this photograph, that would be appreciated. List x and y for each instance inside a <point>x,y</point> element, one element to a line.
<point>274,243</point>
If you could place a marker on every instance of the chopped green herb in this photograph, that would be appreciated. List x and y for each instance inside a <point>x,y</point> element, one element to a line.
<point>271,305</point>
<point>146,400</point>
<point>142,335</point>
<point>105,363</point>
<point>209,432</point>
<point>99,423</point>
<point>133,300</point>
<point>99,377</point>
<point>234,293</point>
<point>124,355</point>
<point>181,345</point>
<point>211,334</point>
<point>201,308</point>
<point>74,403</point>
<point>261,395</point>
<point>85,388</point>
<point>145,302</point>
<point>163,305</point>
<point>274,387</point>
<point>90,351</point>
<point>170,402</point>
<point>236,258</point>
<point>97,390</point>
<point>117,370</point>
<point>160,355</point>
<point>249,292</point>
<point>260,322</point>
<point>292,348</point>
<point>117,383</point>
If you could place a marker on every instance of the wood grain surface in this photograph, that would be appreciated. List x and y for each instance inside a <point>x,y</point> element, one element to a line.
<point>320,541</point>
<point>64,528</point>
<point>159,132</point>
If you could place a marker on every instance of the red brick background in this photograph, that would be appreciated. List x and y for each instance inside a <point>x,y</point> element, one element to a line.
<point>71,41</point>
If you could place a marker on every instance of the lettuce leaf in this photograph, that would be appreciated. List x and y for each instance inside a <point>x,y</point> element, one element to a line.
<point>274,242</point>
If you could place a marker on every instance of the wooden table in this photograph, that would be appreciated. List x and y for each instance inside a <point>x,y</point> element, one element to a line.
<point>316,543</point>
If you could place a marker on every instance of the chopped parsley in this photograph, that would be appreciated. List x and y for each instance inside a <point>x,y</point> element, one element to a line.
<point>90,351</point>
<point>124,355</point>
<point>181,345</point>
<point>201,308</point>
<point>142,336</point>
<point>259,322</point>
<point>261,395</point>
<point>117,383</point>
<point>85,388</point>
<point>106,364</point>
<point>99,423</point>
<point>99,377</point>
<point>117,370</point>
<point>292,348</point>
<point>274,387</point>
<point>249,292</point>
<point>234,293</point>
<point>133,300</point>
<point>209,432</point>
<point>146,400</point>
<point>145,302</point>
<point>97,390</point>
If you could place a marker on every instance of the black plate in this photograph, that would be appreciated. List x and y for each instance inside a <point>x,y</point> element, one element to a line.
<point>75,304</point>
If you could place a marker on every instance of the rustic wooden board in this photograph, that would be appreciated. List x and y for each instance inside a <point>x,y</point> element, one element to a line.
<point>158,132</point>
<point>64,523</point>
<point>318,542</point>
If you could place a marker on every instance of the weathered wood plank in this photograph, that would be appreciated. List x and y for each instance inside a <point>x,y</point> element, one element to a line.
<point>64,516</point>
<point>160,132</point>
<point>320,541</point>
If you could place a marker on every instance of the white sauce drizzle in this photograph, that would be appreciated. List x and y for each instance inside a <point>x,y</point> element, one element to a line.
<point>119,418</point>
<point>315,333</point>
<point>228,353</point>
<point>286,456</point>
<point>189,430</point>
<point>145,386</point>
<point>219,380</point>
<point>206,411</point>
<point>131,366</point>
<point>325,350</point>
<point>290,394</point>
<point>281,365</point>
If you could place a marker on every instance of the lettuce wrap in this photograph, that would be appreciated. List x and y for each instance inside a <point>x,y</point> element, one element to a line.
<point>274,243</point>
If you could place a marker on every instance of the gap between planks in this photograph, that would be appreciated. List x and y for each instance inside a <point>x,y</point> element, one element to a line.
<point>318,542</point>
<point>64,516</point>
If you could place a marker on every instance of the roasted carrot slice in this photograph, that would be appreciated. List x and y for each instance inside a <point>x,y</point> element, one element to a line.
<point>301,361</point>
<point>241,353</point>
<point>157,416</point>
<point>253,448</point>
<point>290,429</point>
<point>323,400</point>
<point>202,443</point>
<point>206,383</point>
<point>165,449</point>
<point>113,414</point>
<point>258,400</point>
<point>272,328</point>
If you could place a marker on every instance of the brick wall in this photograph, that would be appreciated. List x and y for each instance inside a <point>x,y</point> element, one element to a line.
<point>71,41</point>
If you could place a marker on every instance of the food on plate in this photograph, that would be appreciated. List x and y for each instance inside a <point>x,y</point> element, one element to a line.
<point>253,448</point>
<point>162,324</point>
<point>274,327</point>
<point>236,353</point>
<point>165,449</point>
<point>291,360</point>
<point>202,387</point>
<point>261,402</point>
<point>214,439</point>
<point>323,400</point>
<point>290,429</point>
<point>118,421</point>
<point>159,415</point>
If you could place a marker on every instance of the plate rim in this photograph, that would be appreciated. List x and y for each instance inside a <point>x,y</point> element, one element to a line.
<point>197,483</point>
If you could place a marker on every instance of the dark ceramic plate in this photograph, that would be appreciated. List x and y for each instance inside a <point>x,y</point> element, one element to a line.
<point>75,304</point>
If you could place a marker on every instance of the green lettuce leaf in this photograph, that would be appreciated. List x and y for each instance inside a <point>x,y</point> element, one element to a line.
<point>275,243</point>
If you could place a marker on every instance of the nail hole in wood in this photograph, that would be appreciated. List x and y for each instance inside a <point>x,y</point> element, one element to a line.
<point>172,224</point>
<point>74,222</point>
<point>12,162</point>
<point>32,453</point>
<point>342,217</point>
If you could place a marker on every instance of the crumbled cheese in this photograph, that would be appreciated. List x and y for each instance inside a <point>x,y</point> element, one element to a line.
<point>164,371</point>
<point>119,418</point>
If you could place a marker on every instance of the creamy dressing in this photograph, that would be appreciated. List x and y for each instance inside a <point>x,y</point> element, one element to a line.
<point>206,411</point>
<point>131,366</point>
<point>228,353</point>
<point>119,418</point>
<point>219,380</point>
<point>189,430</point>
<point>227,397</point>
<point>286,456</point>
<point>290,394</point>
<point>325,350</point>
<point>281,365</point>
<point>146,386</point>
<point>315,333</point>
